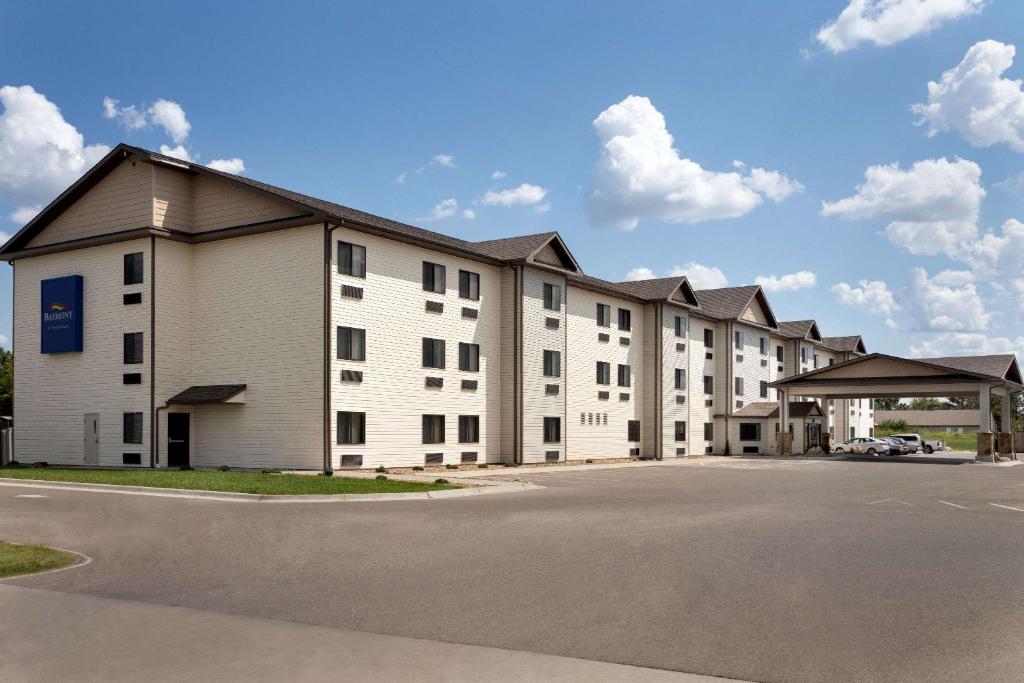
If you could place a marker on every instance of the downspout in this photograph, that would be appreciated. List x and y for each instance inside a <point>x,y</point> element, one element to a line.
<point>521,289</point>
<point>327,464</point>
<point>153,417</point>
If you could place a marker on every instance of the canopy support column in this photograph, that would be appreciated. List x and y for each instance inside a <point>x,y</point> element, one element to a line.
<point>783,440</point>
<point>1005,441</point>
<point>986,439</point>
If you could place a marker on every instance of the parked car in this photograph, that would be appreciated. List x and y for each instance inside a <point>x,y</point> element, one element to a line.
<point>897,446</point>
<point>863,444</point>
<point>915,440</point>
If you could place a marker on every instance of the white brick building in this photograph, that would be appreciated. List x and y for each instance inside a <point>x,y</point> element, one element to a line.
<point>222,321</point>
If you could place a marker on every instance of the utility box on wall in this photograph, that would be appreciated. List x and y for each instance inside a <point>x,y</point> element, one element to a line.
<point>61,315</point>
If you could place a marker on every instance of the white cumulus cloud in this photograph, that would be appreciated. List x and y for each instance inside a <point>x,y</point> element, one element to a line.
<point>973,99</point>
<point>468,214</point>
<point>4,339</point>
<point>966,344</point>
<point>164,113</point>
<point>178,152</point>
<point>23,214</point>
<point>869,296</point>
<point>787,283</point>
<point>947,302</point>
<point>699,275</point>
<point>932,207</point>
<point>233,165</point>
<point>41,154</point>
<point>886,22</point>
<point>525,194</point>
<point>498,175</point>
<point>641,176</point>
<point>447,160</point>
<point>445,208</point>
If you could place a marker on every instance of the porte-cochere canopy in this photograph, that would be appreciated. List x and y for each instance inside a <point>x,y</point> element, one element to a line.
<point>879,375</point>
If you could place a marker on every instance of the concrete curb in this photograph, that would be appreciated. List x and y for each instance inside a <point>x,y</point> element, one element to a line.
<point>503,487</point>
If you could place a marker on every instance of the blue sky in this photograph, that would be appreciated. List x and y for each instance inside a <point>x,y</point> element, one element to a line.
<point>339,100</point>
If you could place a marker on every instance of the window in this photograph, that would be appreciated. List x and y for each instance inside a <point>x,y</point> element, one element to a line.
<point>351,428</point>
<point>131,458</point>
<point>709,339</point>
<point>739,386</point>
<point>624,377</point>
<point>469,285</point>
<point>469,357</point>
<point>433,277</point>
<point>604,372</point>
<point>433,353</point>
<point>133,274</point>
<point>764,389</point>
<point>132,378</point>
<point>831,361</point>
<point>552,297</point>
<point>552,363</point>
<point>633,430</point>
<point>469,428</point>
<point>552,429</point>
<point>709,384</point>
<point>433,429</point>
<point>803,354</point>
<point>680,431</point>
<point>853,432</point>
<point>709,431</point>
<point>604,315</point>
<point>680,326</point>
<point>133,298</point>
<point>750,431</point>
<point>764,346</point>
<point>779,354</point>
<point>351,259</point>
<point>680,378</point>
<point>133,348</point>
<point>815,361</point>
<point>739,339</point>
<point>351,343</point>
<point>624,319</point>
<point>132,428</point>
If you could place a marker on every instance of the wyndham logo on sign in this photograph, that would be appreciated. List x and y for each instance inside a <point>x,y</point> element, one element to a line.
<point>62,314</point>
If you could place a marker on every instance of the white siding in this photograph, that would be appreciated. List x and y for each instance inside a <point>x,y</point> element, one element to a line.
<point>672,359</point>
<point>55,391</point>
<point>258,320</point>
<point>173,358</point>
<point>701,366</point>
<point>536,338</point>
<point>393,393</point>
<point>752,370</point>
<point>595,438</point>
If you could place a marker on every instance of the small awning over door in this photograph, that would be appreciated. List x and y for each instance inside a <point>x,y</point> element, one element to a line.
<point>210,393</point>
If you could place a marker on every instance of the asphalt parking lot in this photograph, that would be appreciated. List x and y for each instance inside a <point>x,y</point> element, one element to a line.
<point>790,570</point>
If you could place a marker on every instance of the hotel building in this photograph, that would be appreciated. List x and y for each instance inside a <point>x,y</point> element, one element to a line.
<point>168,314</point>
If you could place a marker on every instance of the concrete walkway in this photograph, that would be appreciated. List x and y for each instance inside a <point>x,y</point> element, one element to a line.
<point>50,636</point>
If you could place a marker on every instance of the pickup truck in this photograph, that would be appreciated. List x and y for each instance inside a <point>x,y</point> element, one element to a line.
<point>914,441</point>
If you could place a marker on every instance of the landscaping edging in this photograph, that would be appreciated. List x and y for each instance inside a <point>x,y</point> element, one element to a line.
<point>83,560</point>
<point>503,487</point>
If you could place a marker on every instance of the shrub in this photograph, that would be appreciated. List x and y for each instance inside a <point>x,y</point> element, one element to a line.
<point>440,481</point>
<point>270,470</point>
<point>328,473</point>
<point>183,468</point>
<point>14,463</point>
<point>382,477</point>
<point>418,468</point>
<point>451,467</point>
<point>41,463</point>
<point>381,468</point>
<point>482,467</point>
<point>589,461</point>
<point>510,464</point>
<point>894,427</point>
<point>224,468</point>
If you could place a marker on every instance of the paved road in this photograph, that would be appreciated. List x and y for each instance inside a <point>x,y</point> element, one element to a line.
<point>758,570</point>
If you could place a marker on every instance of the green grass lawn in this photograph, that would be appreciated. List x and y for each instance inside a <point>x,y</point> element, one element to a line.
<point>25,559</point>
<point>235,482</point>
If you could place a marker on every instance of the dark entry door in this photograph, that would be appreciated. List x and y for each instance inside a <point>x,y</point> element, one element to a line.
<point>812,436</point>
<point>177,439</point>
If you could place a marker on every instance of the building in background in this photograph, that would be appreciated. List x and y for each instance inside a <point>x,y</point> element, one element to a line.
<point>933,420</point>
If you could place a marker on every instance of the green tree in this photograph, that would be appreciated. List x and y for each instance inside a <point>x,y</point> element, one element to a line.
<point>887,404</point>
<point>6,382</point>
<point>925,404</point>
<point>961,403</point>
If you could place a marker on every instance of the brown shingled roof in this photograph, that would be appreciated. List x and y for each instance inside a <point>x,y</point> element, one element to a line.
<point>850,343</point>
<point>769,409</point>
<point>728,303</point>
<point>799,329</point>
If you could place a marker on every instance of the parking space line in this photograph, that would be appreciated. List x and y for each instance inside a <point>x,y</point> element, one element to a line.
<point>894,500</point>
<point>1007,507</point>
<point>962,507</point>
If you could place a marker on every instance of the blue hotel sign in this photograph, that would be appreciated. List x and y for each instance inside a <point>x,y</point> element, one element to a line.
<point>62,314</point>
